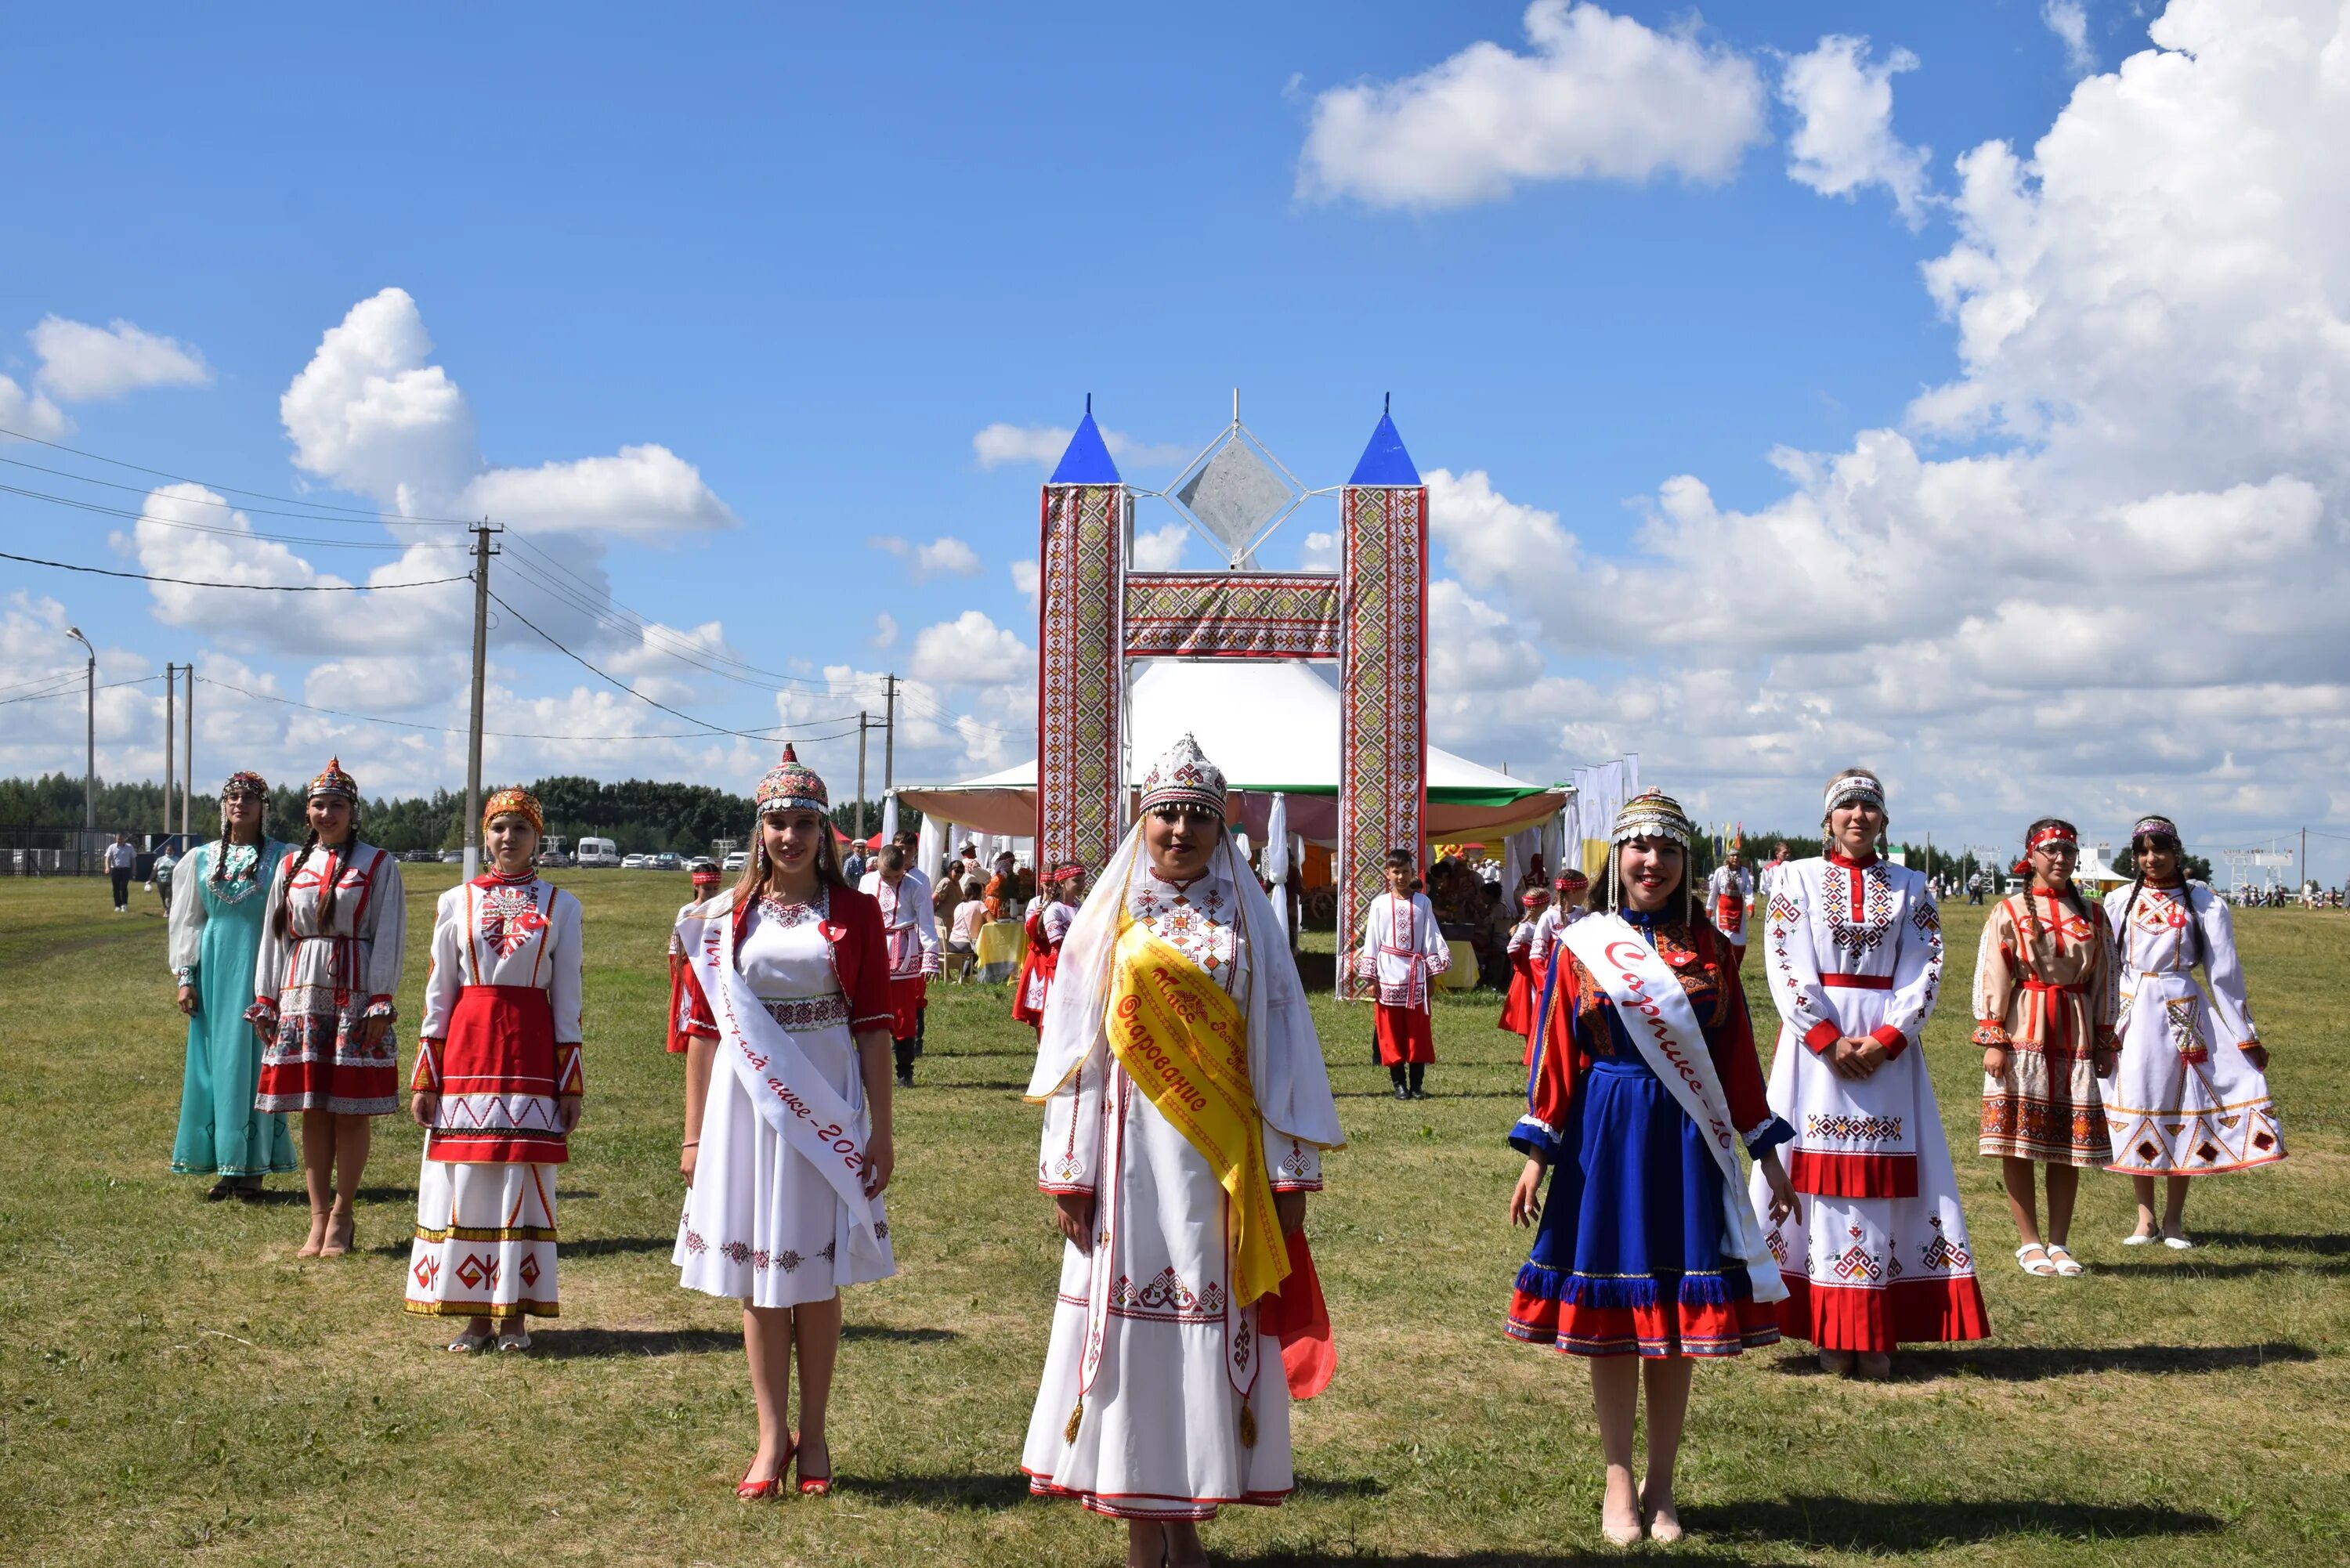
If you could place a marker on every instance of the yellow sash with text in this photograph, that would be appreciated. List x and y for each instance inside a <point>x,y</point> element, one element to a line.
<point>1185,1044</point>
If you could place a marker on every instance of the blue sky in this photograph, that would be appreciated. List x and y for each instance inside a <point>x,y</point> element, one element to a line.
<point>812,256</point>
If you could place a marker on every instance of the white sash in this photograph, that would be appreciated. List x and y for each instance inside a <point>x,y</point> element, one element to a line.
<point>791,1095</point>
<point>1657,1016</point>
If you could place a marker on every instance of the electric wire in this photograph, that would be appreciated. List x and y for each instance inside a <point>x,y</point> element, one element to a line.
<point>306,516</point>
<point>74,688</point>
<point>221,528</point>
<point>355,512</point>
<point>459,730</point>
<point>249,587</point>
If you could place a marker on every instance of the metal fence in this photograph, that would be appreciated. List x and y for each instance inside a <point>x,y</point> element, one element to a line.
<point>74,851</point>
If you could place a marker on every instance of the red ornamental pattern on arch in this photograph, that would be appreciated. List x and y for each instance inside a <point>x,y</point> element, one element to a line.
<point>1232,615</point>
<point>1080,669</point>
<point>1382,692</point>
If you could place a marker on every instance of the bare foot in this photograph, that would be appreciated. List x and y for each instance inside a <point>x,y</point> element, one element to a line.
<point>1183,1548</point>
<point>340,1224</point>
<point>1664,1519</point>
<point>309,1249</point>
<point>1145,1544</point>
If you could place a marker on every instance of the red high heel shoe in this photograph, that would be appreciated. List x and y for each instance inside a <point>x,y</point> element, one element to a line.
<point>748,1491</point>
<point>814,1486</point>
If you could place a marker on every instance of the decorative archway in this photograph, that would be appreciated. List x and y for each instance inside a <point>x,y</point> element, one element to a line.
<point>1095,614</point>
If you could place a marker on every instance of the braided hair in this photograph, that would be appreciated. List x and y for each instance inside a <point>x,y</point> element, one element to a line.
<point>2139,845</point>
<point>219,855</point>
<point>279,918</point>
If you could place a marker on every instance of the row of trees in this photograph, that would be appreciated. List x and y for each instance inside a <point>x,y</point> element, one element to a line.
<point>643,816</point>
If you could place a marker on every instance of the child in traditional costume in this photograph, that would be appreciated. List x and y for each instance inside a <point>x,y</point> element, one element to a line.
<point>2189,1095</point>
<point>1403,950</point>
<point>496,1088</point>
<point>788,988</point>
<point>705,877</point>
<point>1880,1256</point>
<point>217,898</point>
<point>1186,1110</point>
<point>910,925</point>
<point>1518,1006</point>
<point>1728,893</point>
<point>322,983</point>
<point>1645,1084</point>
<point>2043,999</point>
<point>1048,928</point>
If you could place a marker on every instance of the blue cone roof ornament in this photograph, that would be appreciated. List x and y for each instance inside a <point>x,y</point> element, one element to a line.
<point>1385,461</point>
<point>1087,459</point>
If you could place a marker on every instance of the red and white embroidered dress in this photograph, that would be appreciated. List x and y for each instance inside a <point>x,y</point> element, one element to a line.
<point>1178,1362</point>
<point>1403,950</point>
<point>316,986</point>
<point>911,927</point>
<point>2044,992</point>
<point>1880,1254</point>
<point>499,1043</point>
<point>1728,893</point>
<point>761,1224</point>
<point>2184,1099</point>
<point>1048,927</point>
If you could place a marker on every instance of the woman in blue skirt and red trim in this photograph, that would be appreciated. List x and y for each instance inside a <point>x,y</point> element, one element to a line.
<point>1644,1082</point>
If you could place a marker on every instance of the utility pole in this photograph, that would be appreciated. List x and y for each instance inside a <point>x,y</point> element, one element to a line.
<point>188,752</point>
<point>890,733</point>
<point>171,725</point>
<point>89,774</point>
<point>2301,877</point>
<point>864,723</point>
<point>482,554</point>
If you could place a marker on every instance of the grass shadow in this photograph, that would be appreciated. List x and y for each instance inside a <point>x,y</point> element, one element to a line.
<point>583,1344</point>
<point>2199,1264</point>
<point>2322,1246</point>
<point>295,1198</point>
<point>2037,1363</point>
<point>1690,1550</point>
<point>1894,1528</point>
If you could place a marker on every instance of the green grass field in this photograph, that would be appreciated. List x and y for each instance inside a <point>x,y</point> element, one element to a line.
<point>176,1387</point>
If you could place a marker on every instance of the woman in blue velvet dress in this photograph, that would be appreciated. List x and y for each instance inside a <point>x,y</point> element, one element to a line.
<point>1644,1081</point>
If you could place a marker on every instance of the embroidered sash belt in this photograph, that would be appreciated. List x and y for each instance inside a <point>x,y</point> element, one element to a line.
<point>799,1012</point>
<point>1857,982</point>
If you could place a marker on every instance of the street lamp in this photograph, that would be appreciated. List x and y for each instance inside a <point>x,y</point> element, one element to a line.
<point>89,774</point>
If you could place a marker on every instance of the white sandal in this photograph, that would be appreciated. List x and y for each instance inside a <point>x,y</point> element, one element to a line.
<point>2136,1239</point>
<point>2047,1269</point>
<point>2177,1244</point>
<point>2066,1265</point>
<point>515,1339</point>
<point>466,1344</point>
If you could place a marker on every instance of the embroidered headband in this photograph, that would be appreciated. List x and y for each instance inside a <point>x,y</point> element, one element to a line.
<point>332,783</point>
<point>514,803</point>
<point>2155,827</point>
<point>705,875</point>
<point>243,782</point>
<point>1653,814</point>
<point>1568,881</point>
<point>1184,776</point>
<point>791,785</point>
<point>2053,833</point>
<point>1067,871</point>
<point>1853,787</point>
<point>1533,898</point>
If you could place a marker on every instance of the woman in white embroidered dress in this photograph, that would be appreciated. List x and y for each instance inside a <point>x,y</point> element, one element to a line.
<point>1403,950</point>
<point>909,927</point>
<point>1164,1396</point>
<point>331,945</point>
<point>1879,1254</point>
<point>497,1088</point>
<point>2191,1094</point>
<point>803,1078</point>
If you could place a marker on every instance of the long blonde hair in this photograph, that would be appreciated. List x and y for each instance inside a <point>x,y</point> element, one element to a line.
<point>757,869</point>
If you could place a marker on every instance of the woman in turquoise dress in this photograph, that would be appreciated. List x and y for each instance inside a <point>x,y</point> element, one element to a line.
<point>217,901</point>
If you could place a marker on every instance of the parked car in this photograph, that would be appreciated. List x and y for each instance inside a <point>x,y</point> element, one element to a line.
<point>453,857</point>
<point>736,861</point>
<point>635,862</point>
<point>598,852</point>
<point>669,860</point>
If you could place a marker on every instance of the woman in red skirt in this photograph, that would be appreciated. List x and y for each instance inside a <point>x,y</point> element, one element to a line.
<point>1048,926</point>
<point>496,1088</point>
<point>323,985</point>
<point>1525,986</point>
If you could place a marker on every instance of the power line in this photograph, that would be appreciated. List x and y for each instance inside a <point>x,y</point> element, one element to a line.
<point>447,729</point>
<point>74,689</point>
<point>307,516</point>
<point>218,528</point>
<point>621,685</point>
<point>251,587</point>
<point>231,489</point>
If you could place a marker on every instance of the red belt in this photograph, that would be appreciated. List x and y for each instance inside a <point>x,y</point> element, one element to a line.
<point>1857,982</point>
<point>2077,988</point>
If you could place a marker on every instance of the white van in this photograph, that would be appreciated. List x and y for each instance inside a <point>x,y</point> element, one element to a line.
<point>598,852</point>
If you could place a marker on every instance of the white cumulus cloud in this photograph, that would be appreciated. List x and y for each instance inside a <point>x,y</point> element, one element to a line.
<point>31,413</point>
<point>971,650</point>
<point>1161,549</point>
<point>945,556</point>
<point>2069,20</point>
<point>1041,446</point>
<point>81,363</point>
<point>1844,141</point>
<point>1595,96</point>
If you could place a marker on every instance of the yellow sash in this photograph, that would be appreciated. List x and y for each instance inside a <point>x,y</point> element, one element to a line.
<point>1185,1044</point>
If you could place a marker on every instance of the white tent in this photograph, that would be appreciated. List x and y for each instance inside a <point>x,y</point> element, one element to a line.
<point>1273,727</point>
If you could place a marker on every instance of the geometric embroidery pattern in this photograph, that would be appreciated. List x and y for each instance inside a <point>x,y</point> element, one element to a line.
<point>1234,615</point>
<point>1854,1129</point>
<point>1382,700</point>
<point>1080,772</point>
